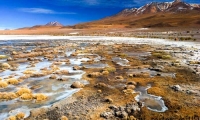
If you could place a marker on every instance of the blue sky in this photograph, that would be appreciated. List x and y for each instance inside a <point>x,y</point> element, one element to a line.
<point>23,13</point>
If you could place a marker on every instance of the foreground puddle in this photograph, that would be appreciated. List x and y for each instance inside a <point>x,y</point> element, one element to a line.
<point>139,55</point>
<point>96,65</point>
<point>152,102</point>
<point>120,61</point>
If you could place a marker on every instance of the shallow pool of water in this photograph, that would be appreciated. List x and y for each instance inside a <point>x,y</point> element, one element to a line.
<point>152,102</point>
<point>120,61</point>
<point>54,89</point>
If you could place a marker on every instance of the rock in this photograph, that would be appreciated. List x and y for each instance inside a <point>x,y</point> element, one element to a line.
<point>122,108</point>
<point>9,59</point>
<point>13,53</point>
<point>124,115</point>
<point>197,73</point>
<point>132,83</point>
<point>100,85</point>
<point>198,69</point>
<point>158,68</point>
<point>53,77</point>
<point>191,92</point>
<point>139,104</point>
<point>119,78</point>
<point>106,115</point>
<point>74,54</point>
<point>132,108</point>
<point>30,59</point>
<point>130,87</point>
<point>99,91</point>
<point>13,69</point>
<point>109,100</point>
<point>76,68</point>
<point>113,107</point>
<point>137,74</point>
<point>118,113</point>
<point>176,88</point>
<point>62,79</point>
<point>176,64</point>
<point>121,114</point>
<point>77,85</point>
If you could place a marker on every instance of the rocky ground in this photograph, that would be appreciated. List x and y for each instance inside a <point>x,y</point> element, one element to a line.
<point>112,90</point>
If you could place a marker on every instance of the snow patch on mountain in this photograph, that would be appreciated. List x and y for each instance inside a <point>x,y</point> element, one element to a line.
<point>54,23</point>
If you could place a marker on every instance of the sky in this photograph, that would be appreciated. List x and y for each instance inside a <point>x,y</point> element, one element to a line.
<point>25,13</point>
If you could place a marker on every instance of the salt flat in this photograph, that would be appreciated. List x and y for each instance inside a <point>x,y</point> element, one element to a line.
<point>130,40</point>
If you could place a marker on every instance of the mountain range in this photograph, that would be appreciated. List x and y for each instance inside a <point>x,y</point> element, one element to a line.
<point>156,7</point>
<point>154,14</point>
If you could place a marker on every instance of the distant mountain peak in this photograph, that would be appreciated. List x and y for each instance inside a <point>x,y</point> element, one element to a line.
<point>54,23</point>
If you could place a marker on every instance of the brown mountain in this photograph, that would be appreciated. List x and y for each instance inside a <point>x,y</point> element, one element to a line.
<point>154,14</point>
<point>53,24</point>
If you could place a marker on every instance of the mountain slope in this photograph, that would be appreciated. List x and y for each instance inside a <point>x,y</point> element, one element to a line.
<point>155,7</point>
<point>154,14</point>
<point>48,25</point>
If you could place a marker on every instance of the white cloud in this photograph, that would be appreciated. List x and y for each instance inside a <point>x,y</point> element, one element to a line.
<point>105,3</point>
<point>43,11</point>
<point>93,3</point>
<point>37,10</point>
